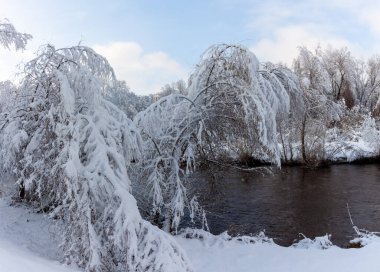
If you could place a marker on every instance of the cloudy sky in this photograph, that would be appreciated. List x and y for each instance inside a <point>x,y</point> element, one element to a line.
<point>150,43</point>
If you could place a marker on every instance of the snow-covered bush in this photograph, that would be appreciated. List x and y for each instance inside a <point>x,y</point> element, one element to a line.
<point>70,149</point>
<point>370,132</point>
<point>321,242</point>
<point>364,238</point>
<point>224,238</point>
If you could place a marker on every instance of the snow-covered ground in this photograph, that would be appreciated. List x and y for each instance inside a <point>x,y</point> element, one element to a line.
<point>15,258</point>
<point>215,254</point>
<point>273,258</point>
<point>28,244</point>
<point>27,241</point>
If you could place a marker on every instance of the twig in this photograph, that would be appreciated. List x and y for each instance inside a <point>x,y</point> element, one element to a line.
<point>352,222</point>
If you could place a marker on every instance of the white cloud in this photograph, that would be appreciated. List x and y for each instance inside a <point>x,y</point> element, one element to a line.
<point>366,13</point>
<point>144,72</point>
<point>369,16</point>
<point>283,47</point>
<point>283,26</point>
<point>265,17</point>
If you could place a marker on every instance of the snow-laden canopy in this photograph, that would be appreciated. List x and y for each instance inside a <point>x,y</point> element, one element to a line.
<point>69,150</point>
<point>231,107</point>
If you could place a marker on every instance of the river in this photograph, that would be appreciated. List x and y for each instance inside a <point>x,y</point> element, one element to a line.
<point>291,201</point>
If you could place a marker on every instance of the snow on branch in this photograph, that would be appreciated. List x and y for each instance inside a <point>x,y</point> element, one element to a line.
<point>232,103</point>
<point>9,36</point>
<point>70,150</point>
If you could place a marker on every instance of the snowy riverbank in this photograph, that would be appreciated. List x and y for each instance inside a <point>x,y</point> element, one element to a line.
<point>216,254</point>
<point>28,243</point>
<point>360,143</point>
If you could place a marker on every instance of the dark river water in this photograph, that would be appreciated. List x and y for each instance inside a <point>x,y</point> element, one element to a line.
<point>292,201</point>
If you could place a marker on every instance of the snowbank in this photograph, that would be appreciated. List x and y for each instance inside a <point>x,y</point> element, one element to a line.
<point>14,258</point>
<point>27,241</point>
<point>215,254</point>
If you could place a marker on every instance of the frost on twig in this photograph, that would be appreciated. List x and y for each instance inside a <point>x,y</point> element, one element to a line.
<point>364,237</point>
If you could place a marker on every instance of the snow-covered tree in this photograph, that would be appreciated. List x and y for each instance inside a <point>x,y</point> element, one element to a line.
<point>9,36</point>
<point>177,87</point>
<point>338,64</point>
<point>241,98</point>
<point>168,130</point>
<point>7,95</point>
<point>366,78</point>
<point>289,122</point>
<point>372,85</point>
<point>70,150</point>
<point>130,103</point>
<point>321,92</point>
<point>232,102</point>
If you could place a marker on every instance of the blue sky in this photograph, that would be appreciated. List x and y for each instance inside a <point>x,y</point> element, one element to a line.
<point>150,43</point>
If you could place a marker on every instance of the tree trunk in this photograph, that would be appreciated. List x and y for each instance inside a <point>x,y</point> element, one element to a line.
<point>21,191</point>
<point>303,134</point>
<point>283,144</point>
